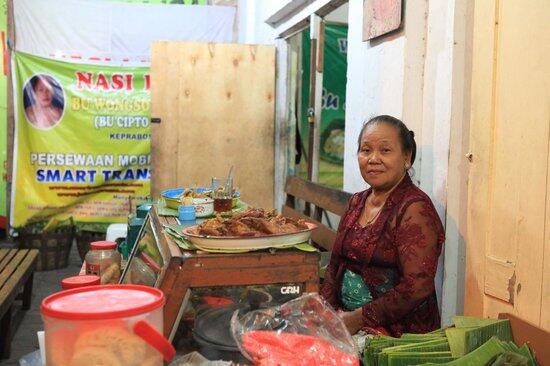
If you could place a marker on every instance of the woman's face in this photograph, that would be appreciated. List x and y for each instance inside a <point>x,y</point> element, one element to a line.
<point>43,93</point>
<point>381,157</point>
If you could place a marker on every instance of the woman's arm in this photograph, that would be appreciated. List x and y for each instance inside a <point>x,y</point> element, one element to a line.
<point>419,236</point>
<point>329,291</point>
<point>331,288</point>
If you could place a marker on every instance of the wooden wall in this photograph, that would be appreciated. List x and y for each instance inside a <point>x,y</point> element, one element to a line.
<point>508,244</point>
<point>216,104</point>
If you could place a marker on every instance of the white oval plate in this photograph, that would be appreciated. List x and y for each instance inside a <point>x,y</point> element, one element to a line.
<point>251,242</point>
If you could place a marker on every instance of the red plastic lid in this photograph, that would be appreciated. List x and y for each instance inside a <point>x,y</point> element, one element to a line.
<point>80,281</point>
<point>103,245</point>
<point>102,302</point>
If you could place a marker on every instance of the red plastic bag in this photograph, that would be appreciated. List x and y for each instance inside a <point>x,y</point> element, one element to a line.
<point>269,348</point>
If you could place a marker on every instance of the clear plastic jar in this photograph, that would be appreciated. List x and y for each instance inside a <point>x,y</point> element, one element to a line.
<point>103,260</point>
<point>140,273</point>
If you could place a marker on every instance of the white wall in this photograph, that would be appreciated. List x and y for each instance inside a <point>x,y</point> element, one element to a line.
<point>375,86</point>
<point>339,15</point>
<point>252,28</point>
<point>409,75</point>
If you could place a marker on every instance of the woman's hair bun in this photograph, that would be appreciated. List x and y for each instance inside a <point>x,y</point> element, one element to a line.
<point>412,133</point>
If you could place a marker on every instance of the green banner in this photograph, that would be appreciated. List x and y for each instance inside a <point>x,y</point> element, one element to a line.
<point>333,102</point>
<point>82,141</point>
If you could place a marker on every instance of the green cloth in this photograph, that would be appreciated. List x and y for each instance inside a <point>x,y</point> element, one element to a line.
<point>355,292</point>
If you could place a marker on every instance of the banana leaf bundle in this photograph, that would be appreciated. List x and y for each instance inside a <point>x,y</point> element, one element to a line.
<point>472,341</point>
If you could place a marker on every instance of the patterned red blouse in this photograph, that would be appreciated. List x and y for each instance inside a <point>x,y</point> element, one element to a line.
<point>407,237</point>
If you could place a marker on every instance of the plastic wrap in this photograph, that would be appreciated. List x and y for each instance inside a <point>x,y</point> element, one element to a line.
<point>303,331</point>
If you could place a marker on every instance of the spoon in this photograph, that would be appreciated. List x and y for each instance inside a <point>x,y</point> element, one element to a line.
<point>229,181</point>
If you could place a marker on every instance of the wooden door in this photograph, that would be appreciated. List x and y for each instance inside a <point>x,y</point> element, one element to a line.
<point>508,243</point>
<point>216,105</point>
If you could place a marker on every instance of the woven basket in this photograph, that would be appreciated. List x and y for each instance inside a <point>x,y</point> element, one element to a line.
<point>83,240</point>
<point>54,247</point>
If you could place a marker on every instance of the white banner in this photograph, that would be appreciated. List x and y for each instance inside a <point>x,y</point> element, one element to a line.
<point>96,31</point>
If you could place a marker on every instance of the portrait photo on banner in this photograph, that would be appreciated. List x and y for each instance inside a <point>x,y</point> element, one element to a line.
<point>44,101</point>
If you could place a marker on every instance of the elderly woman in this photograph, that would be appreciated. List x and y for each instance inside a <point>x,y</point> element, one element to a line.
<point>383,263</point>
<point>43,113</point>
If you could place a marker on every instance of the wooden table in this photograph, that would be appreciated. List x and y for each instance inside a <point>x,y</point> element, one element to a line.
<point>190,269</point>
<point>16,275</point>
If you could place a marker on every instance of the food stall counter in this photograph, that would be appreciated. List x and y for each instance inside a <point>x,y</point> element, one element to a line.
<point>176,271</point>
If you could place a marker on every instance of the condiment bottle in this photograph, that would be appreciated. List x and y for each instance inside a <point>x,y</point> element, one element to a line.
<point>103,260</point>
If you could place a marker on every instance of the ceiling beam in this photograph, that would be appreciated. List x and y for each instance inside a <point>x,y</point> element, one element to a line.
<point>293,18</point>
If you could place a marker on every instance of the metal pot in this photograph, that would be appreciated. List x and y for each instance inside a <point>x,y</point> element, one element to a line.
<point>212,332</point>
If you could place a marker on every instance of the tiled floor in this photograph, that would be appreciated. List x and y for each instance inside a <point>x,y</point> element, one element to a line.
<point>44,284</point>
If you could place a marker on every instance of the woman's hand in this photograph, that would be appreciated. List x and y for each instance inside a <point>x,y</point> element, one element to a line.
<point>352,319</point>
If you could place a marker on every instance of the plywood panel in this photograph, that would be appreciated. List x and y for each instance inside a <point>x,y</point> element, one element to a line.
<point>164,101</point>
<point>545,306</point>
<point>481,127</point>
<point>509,177</point>
<point>216,103</point>
<point>500,279</point>
<point>517,210</point>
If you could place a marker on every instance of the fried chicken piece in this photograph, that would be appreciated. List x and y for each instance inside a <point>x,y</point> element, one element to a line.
<point>250,212</point>
<point>288,224</point>
<point>299,224</point>
<point>212,227</point>
<point>262,225</point>
<point>271,214</point>
<point>237,228</point>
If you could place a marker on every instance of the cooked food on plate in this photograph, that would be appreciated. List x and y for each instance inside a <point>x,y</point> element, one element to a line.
<point>252,222</point>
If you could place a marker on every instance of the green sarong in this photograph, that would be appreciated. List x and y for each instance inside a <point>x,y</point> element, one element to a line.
<point>355,292</point>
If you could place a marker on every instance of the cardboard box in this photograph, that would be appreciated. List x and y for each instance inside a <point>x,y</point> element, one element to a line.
<point>524,332</point>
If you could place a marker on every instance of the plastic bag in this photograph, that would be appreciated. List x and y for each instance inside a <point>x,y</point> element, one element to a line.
<point>303,331</point>
<point>31,359</point>
<point>196,359</point>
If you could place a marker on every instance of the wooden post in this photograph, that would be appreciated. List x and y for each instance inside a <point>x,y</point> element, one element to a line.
<point>27,293</point>
<point>311,109</point>
<point>6,334</point>
<point>10,115</point>
<point>315,94</point>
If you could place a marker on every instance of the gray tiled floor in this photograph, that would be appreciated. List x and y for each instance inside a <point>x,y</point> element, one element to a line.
<point>44,284</point>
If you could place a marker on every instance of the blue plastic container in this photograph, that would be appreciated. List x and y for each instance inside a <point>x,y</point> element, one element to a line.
<point>186,213</point>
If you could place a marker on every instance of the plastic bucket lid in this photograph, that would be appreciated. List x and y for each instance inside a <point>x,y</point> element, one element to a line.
<point>102,302</point>
<point>80,281</point>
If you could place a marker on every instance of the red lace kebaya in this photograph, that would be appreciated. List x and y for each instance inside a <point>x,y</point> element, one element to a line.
<point>407,237</point>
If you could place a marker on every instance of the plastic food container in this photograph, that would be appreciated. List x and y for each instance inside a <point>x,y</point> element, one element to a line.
<point>103,260</point>
<point>140,273</point>
<point>186,213</point>
<point>118,325</point>
<point>203,206</point>
<point>79,281</point>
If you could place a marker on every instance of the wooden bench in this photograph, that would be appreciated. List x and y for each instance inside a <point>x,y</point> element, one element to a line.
<point>324,199</point>
<point>16,275</point>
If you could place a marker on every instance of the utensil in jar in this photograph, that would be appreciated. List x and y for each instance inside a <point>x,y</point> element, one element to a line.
<point>229,182</point>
